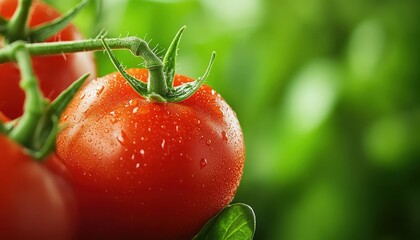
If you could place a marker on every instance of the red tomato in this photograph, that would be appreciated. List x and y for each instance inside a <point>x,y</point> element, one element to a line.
<point>55,73</point>
<point>34,203</point>
<point>145,170</point>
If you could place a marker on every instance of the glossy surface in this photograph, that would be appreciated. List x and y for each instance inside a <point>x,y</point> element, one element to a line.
<point>55,73</point>
<point>148,170</point>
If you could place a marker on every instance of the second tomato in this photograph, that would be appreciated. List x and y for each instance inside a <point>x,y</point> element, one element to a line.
<point>55,73</point>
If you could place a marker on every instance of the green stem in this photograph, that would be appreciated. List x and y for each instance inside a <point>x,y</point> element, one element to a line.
<point>34,101</point>
<point>157,83</point>
<point>18,28</point>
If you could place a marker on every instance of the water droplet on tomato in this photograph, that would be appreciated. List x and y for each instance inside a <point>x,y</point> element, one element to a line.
<point>142,152</point>
<point>100,90</point>
<point>135,110</point>
<point>208,142</point>
<point>224,136</point>
<point>133,102</point>
<point>213,92</point>
<point>198,121</point>
<point>203,163</point>
<point>122,138</point>
<point>177,128</point>
<point>163,144</point>
<point>82,96</point>
<point>137,165</point>
<point>65,117</point>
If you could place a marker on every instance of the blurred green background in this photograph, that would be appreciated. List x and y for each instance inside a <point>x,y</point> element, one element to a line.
<point>327,93</point>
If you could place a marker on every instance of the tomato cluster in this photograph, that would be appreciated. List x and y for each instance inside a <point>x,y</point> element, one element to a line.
<point>125,166</point>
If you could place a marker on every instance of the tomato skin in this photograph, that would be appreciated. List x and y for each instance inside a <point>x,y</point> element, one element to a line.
<point>55,73</point>
<point>34,203</point>
<point>146,170</point>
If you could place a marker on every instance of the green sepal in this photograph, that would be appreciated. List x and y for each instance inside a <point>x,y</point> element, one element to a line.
<point>43,32</point>
<point>48,143</point>
<point>157,90</point>
<point>236,221</point>
<point>185,90</point>
<point>3,25</point>
<point>43,142</point>
<point>58,106</point>
<point>169,61</point>
<point>3,129</point>
<point>138,85</point>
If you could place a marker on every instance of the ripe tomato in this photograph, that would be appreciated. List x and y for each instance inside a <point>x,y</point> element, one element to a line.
<point>55,73</point>
<point>145,170</point>
<point>34,203</point>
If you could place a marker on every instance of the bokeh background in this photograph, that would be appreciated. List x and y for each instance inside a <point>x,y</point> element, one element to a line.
<point>327,93</point>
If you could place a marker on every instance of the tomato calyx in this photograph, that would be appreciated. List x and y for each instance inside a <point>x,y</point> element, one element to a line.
<point>37,128</point>
<point>159,87</point>
<point>17,27</point>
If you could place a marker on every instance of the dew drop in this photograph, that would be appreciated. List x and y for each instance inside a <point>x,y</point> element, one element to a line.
<point>224,136</point>
<point>208,142</point>
<point>213,92</point>
<point>100,90</point>
<point>65,117</point>
<point>163,143</point>
<point>203,163</point>
<point>135,110</point>
<point>177,128</point>
<point>133,102</point>
<point>137,165</point>
<point>82,96</point>
<point>122,137</point>
<point>142,152</point>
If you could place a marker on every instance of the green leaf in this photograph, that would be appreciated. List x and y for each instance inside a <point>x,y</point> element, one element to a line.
<point>236,221</point>
<point>43,32</point>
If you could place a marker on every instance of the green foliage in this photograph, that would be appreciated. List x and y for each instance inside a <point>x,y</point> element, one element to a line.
<point>327,93</point>
<point>236,221</point>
